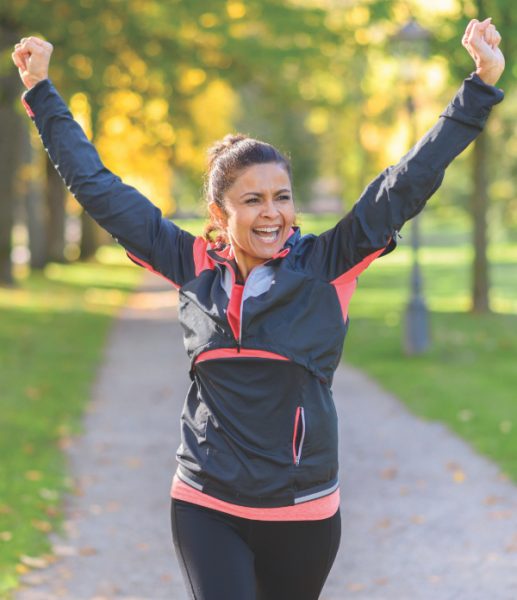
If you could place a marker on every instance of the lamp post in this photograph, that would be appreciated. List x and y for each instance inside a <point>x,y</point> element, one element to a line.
<point>411,42</point>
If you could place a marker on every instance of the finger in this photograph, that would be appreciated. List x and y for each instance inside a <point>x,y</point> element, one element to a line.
<point>469,28</point>
<point>490,34</point>
<point>477,34</point>
<point>21,60</point>
<point>30,47</point>
<point>17,60</point>
<point>37,40</point>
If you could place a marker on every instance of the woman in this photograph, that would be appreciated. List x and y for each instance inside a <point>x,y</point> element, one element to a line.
<point>255,499</point>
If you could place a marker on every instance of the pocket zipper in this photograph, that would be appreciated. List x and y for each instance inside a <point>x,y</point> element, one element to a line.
<point>298,434</point>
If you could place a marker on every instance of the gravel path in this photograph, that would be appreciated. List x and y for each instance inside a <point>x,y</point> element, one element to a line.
<point>424,517</point>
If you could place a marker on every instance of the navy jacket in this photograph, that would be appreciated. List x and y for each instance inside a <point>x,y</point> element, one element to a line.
<point>259,426</point>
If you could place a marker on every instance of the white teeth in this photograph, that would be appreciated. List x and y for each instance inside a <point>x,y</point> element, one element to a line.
<point>267,229</point>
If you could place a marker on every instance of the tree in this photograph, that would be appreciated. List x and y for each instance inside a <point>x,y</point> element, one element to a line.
<point>10,147</point>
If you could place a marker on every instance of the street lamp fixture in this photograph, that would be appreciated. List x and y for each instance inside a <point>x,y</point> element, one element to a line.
<point>410,43</point>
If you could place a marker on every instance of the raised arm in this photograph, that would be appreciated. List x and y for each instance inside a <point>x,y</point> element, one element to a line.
<point>400,192</point>
<point>138,225</point>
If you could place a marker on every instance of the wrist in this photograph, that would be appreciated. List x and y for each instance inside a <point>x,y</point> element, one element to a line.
<point>30,82</point>
<point>489,76</point>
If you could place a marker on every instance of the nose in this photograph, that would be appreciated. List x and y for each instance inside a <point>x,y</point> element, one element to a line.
<point>269,209</point>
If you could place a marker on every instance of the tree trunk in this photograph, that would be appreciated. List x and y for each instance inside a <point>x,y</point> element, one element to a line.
<point>90,231</point>
<point>34,205</point>
<point>89,236</point>
<point>10,128</point>
<point>479,207</point>
<point>55,201</point>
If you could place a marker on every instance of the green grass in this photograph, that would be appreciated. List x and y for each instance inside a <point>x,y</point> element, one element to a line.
<point>468,378</point>
<point>53,328</point>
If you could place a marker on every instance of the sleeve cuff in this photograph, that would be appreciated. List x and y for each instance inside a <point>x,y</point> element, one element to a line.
<point>473,102</point>
<point>30,97</point>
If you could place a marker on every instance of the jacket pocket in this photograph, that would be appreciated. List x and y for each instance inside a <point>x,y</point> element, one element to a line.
<point>298,434</point>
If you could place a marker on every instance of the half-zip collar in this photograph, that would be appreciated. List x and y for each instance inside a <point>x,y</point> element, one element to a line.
<point>234,311</point>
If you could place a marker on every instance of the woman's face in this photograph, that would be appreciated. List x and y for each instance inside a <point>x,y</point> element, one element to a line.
<point>258,214</point>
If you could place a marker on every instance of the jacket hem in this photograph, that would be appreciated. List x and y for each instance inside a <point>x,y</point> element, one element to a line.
<point>288,499</point>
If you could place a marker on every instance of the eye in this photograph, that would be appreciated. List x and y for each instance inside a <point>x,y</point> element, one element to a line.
<point>284,197</point>
<point>252,200</point>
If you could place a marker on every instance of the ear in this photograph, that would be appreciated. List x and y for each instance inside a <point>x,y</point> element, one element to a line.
<point>218,215</point>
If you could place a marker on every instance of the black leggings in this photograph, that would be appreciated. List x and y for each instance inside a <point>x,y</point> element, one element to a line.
<point>223,557</point>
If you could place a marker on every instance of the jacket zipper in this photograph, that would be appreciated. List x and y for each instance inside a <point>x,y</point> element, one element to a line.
<point>298,434</point>
<point>250,275</point>
<point>241,309</point>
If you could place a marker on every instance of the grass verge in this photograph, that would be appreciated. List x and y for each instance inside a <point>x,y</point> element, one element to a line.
<point>53,327</point>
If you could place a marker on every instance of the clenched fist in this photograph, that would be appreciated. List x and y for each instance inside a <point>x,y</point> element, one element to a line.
<point>32,56</point>
<point>482,40</point>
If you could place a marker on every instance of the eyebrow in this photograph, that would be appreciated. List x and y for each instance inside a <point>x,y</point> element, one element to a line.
<point>261,194</point>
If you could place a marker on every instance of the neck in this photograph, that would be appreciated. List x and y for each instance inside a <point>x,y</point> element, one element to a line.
<point>246,263</point>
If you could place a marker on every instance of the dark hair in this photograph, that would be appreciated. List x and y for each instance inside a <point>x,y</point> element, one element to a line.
<point>226,159</point>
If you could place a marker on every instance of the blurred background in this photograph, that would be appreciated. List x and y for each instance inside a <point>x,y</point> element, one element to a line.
<point>345,88</point>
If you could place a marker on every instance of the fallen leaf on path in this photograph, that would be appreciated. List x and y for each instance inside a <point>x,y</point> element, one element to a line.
<point>65,443</point>
<point>113,506</point>
<point>34,475</point>
<point>418,519</point>
<point>459,476</point>
<point>62,550</point>
<point>512,546</point>
<point>383,523</point>
<point>44,526</point>
<point>355,587</point>
<point>95,509</point>
<point>382,581</point>
<point>34,562</point>
<point>6,536</point>
<point>500,515</point>
<point>87,551</point>
<point>389,473</point>
<point>21,569</point>
<point>47,494</point>
<point>491,500</point>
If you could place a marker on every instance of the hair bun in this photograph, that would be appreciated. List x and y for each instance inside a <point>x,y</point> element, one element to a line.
<point>220,147</point>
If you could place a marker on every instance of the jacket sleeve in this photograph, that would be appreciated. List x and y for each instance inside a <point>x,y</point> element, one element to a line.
<point>149,239</point>
<point>400,192</point>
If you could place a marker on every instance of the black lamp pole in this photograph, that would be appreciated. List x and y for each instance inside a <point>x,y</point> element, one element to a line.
<point>412,41</point>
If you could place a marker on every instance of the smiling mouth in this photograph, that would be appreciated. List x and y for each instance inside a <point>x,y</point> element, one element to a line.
<point>268,235</point>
